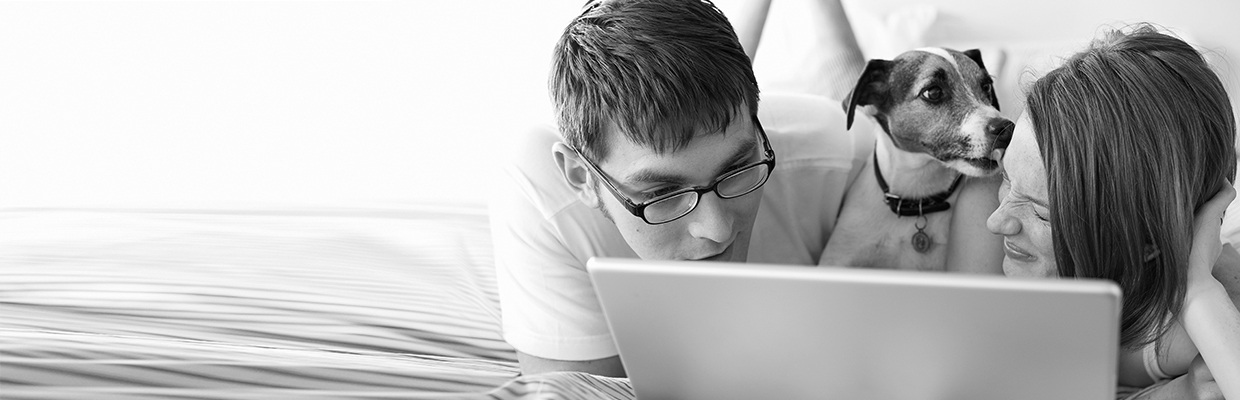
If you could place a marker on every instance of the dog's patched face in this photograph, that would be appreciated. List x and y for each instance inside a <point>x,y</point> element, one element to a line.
<point>938,102</point>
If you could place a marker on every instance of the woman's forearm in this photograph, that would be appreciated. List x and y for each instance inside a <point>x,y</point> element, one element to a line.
<point>1213,323</point>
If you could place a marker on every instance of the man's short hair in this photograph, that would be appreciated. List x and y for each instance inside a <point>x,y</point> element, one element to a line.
<point>659,70</point>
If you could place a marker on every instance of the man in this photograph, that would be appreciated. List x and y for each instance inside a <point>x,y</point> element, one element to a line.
<point>661,154</point>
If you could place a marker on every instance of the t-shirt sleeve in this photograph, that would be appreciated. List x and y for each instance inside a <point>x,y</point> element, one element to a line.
<point>817,159</point>
<point>542,237</point>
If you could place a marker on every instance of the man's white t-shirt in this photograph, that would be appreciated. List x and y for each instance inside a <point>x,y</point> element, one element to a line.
<point>543,234</point>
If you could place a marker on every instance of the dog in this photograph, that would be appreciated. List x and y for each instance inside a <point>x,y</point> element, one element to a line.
<point>922,199</point>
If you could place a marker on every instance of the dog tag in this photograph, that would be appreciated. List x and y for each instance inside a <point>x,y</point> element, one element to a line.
<point>921,241</point>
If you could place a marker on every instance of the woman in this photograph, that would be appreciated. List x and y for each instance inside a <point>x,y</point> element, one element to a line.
<point>1117,150</point>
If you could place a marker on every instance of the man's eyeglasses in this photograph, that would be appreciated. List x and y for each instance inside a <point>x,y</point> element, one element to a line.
<point>670,207</point>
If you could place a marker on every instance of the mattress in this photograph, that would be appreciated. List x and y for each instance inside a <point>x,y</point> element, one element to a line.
<point>259,304</point>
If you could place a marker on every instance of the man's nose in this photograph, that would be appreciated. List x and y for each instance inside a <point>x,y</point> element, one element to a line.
<point>711,219</point>
<point>1001,129</point>
<point>1001,222</point>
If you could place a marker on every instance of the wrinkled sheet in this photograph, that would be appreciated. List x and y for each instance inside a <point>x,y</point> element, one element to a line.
<point>259,304</point>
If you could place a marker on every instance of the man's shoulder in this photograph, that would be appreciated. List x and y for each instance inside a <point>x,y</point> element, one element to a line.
<point>534,207</point>
<point>817,157</point>
<point>812,131</point>
<point>527,170</point>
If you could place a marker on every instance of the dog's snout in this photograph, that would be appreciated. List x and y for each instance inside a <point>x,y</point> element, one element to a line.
<point>1001,129</point>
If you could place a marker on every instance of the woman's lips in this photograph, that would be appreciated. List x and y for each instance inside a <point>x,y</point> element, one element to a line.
<point>1016,253</point>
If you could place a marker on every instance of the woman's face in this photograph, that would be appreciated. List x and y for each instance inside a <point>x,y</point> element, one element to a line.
<point>1023,216</point>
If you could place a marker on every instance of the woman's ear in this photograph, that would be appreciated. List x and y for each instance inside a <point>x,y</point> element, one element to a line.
<point>576,174</point>
<point>1150,252</point>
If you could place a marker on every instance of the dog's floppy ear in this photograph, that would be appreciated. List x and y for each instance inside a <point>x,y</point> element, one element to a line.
<point>869,87</point>
<point>976,56</point>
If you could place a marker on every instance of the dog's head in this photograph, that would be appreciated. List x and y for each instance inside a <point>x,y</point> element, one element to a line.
<point>935,101</point>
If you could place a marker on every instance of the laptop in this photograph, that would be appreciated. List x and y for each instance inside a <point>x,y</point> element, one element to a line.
<point>703,330</point>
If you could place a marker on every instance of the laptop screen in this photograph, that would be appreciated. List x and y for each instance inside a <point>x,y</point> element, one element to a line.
<point>698,330</point>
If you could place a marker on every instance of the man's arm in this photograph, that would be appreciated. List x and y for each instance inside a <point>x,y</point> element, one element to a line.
<point>610,366</point>
<point>542,234</point>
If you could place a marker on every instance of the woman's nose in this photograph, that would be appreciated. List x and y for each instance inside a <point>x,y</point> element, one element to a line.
<point>1002,222</point>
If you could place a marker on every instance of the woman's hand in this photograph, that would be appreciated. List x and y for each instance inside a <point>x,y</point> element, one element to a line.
<point>1199,383</point>
<point>1208,315</point>
<point>1207,226</point>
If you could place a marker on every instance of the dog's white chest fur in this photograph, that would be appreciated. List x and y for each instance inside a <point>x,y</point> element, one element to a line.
<point>868,234</point>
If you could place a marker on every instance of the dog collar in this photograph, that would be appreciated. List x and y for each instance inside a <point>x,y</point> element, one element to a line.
<point>918,206</point>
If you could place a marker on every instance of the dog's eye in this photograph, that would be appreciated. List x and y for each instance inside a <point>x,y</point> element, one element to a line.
<point>987,86</point>
<point>932,94</point>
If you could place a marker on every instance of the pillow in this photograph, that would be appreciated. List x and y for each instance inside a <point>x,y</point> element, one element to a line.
<point>807,47</point>
<point>886,36</point>
<point>1021,64</point>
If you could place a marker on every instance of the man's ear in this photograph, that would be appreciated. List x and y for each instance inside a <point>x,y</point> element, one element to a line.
<point>976,56</point>
<point>870,87</point>
<point>576,173</point>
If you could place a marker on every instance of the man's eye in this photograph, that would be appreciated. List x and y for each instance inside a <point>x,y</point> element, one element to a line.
<point>732,170</point>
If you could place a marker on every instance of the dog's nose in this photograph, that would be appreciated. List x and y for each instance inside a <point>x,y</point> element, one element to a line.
<point>1002,130</point>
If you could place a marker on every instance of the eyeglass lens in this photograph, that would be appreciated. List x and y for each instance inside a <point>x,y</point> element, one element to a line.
<point>736,185</point>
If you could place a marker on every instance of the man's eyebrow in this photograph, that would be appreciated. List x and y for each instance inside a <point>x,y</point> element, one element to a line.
<point>649,176</point>
<point>742,153</point>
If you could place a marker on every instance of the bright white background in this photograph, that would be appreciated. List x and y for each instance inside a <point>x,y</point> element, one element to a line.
<point>309,103</point>
<point>207,103</point>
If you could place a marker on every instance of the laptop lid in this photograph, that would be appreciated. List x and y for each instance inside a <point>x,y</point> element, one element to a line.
<point>701,330</point>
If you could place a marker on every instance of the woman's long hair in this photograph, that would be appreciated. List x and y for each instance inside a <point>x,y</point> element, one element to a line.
<point>1136,133</point>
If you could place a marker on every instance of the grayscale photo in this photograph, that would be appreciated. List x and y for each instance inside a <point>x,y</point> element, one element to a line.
<point>619,200</point>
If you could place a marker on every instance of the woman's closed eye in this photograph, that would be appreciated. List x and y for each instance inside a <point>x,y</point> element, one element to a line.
<point>1038,214</point>
<point>1006,194</point>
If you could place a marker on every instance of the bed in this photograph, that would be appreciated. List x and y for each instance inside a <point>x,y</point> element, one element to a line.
<point>258,304</point>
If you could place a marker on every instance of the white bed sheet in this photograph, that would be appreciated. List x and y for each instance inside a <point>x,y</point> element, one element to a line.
<point>327,303</point>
